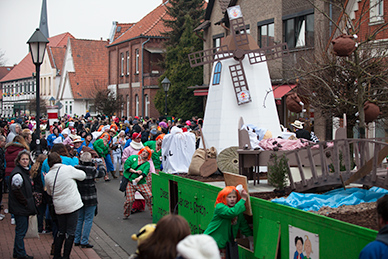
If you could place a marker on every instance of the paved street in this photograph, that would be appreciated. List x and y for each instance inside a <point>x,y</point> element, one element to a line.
<point>109,222</point>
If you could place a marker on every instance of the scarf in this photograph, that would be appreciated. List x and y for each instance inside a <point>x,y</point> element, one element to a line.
<point>136,145</point>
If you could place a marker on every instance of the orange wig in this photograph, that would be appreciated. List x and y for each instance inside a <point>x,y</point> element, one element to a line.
<point>148,150</point>
<point>161,136</point>
<point>221,197</point>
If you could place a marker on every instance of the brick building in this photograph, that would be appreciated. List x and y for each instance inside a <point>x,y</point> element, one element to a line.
<point>134,55</point>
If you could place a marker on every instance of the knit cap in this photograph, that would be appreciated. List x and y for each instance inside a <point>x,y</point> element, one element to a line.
<point>198,247</point>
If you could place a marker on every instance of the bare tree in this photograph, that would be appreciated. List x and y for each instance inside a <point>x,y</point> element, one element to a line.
<point>107,102</point>
<point>3,60</point>
<point>32,106</point>
<point>337,85</point>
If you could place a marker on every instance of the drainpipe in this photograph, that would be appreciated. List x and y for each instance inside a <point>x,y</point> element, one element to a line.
<point>142,76</point>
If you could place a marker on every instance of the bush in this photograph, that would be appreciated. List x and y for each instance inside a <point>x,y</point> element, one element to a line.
<point>278,171</point>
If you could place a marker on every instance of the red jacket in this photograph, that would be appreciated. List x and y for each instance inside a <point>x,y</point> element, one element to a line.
<point>12,150</point>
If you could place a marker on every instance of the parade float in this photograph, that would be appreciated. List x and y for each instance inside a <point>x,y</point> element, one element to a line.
<point>238,92</point>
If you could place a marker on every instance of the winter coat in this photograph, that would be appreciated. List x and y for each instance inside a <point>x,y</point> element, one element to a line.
<point>66,198</point>
<point>12,132</point>
<point>12,150</point>
<point>20,199</point>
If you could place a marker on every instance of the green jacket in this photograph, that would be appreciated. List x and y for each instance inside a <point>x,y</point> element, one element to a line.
<point>100,148</point>
<point>219,227</point>
<point>156,156</point>
<point>131,162</point>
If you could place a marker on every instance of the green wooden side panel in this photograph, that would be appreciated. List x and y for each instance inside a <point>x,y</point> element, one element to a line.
<point>345,239</point>
<point>266,241</point>
<point>161,197</point>
<point>196,205</point>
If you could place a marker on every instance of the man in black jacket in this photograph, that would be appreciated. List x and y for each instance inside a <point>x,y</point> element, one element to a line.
<point>88,192</point>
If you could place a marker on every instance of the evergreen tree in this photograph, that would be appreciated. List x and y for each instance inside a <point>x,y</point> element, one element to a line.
<point>186,15</point>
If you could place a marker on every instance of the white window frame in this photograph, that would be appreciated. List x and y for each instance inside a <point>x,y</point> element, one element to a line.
<point>376,12</point>
<point>137,59</point>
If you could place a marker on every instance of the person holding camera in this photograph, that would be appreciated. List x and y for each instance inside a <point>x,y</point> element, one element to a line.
<point>88,192</point>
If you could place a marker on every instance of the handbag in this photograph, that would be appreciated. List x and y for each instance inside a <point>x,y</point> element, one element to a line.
<point>232,248</point>
<point>32,231</point>
<point>50,200</point>
<point>38,198</point>
<point>124,181</point>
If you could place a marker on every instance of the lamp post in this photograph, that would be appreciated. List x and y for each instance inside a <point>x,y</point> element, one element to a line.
<point>166,85</point>
<point>37,44</point>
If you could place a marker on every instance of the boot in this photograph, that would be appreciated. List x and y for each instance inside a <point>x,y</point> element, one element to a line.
<point>58,242</point>
<point>113,174</point>
<point>68,246</point>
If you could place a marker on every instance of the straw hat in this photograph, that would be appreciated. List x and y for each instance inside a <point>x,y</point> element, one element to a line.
<point>297,124</point>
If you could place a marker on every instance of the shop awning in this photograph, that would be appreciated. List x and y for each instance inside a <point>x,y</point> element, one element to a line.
<point>280,90</point>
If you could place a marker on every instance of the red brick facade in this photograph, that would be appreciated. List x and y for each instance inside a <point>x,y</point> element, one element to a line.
<point>128,75</point>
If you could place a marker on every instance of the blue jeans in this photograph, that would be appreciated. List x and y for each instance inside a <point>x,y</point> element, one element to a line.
<point>109,164</point>
<point>20,232</point>
<point>85,220</point>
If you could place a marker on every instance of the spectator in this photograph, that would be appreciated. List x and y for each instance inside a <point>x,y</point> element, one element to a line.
<point>36,177</point>
<point>162,243</point>
<point>54,136</point>
<point>379,247</point>
<point>61,185</point>
<point>2,173</point>
<point>14,129</point>
<point>88,193</point>
<point>12,149</point>
<point>198,247</point>
<point>21,201</point>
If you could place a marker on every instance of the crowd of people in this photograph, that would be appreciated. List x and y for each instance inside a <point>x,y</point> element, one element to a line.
<point>55,178</point>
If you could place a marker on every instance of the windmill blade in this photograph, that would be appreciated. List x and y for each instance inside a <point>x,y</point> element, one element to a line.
<point>239,32</point>
<point>209,55</point>
<point>267,53</point>
<point>239,82</point>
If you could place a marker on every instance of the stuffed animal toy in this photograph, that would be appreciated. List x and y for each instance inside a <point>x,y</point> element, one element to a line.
<point>143,234</point>
<point>344,45</point>
<point>372,111</point>
<point>293,102</point>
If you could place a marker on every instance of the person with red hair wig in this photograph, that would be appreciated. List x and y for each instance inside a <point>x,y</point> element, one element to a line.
<point>136,169</point>
<point>156,146</point>
<point>228,216</point>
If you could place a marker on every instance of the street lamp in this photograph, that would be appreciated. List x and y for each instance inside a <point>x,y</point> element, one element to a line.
<point>166,85</point>
<point>37,44</point>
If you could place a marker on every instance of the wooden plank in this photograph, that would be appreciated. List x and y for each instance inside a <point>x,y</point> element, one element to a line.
<point>375,163</point>
<point>346,156</point>
<point>336,161</point>
<point>312,165</point>
<point>368,166</point>
<point>234,180</point>
<point>297,157</point>
<point>322,155</point>
<point>268,239</point>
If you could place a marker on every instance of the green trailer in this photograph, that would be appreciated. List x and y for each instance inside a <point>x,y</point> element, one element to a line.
<point>274,226</point>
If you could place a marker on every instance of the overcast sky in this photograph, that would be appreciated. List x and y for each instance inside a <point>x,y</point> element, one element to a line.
<point>84,19</point>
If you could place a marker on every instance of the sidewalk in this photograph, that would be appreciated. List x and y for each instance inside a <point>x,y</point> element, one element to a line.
<point>39,248</point>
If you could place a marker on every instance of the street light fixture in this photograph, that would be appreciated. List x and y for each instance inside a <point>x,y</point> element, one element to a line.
<point>37,44</point>
<point>166,85</point>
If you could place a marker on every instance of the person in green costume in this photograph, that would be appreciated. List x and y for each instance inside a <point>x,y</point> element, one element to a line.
<point>156,147</point>
<point>228,215</point>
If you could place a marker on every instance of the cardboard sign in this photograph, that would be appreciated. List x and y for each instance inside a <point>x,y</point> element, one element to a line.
<point>236,179</point>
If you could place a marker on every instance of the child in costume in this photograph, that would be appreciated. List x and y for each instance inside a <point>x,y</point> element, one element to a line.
<point>228,215</point>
